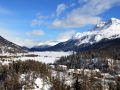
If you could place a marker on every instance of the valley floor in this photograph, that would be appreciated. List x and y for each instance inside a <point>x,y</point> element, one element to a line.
<point>51,71</point>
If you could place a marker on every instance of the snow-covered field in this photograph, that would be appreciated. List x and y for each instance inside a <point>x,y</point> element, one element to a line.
<point>47,57</point>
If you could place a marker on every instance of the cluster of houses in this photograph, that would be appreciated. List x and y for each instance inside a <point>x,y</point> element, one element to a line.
<point>104,78</point>
<point>8,59</point>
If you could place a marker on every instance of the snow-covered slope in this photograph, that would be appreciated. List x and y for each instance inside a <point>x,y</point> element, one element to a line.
<point>46,44</point>
<point>109,30</point>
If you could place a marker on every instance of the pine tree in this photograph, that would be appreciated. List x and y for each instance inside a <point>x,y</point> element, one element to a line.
<point>77,84</point>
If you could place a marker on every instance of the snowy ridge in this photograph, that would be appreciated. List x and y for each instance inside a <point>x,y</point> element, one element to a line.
<point>46,44</point>
<point>109,30</point>
<point>50,43</point>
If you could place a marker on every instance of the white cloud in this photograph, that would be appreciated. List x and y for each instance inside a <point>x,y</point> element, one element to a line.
<point>52,15</point>
<point>73,4</point>
<point>39,16</point>
<point>5,33</point>
<point>35,33</point>
<point>4,11</point>
<point>60,9</point>
<point>74,21</point>
<point>25,42</point>
<point>85,15</point>
<point>36,22</point>
<point>83,1</point>
<point>39,20</point>
<point>65,35</point>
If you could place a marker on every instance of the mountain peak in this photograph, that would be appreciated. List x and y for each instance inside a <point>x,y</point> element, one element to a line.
<point>109,30</point>
<point>111,21</point>
<point>114,20</point>
<point>101,24</point>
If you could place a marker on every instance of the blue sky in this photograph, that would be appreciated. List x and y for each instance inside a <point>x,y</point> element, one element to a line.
<point>29,22</point>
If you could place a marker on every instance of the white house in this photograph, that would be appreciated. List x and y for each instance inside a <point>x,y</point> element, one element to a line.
<point>62,67</point>
<point>105,87</point>
<point>105,75</point>
<point>70,71</point>
<point>52,66</point>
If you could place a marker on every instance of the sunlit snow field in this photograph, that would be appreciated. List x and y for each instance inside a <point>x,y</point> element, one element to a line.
<point>47,57</point>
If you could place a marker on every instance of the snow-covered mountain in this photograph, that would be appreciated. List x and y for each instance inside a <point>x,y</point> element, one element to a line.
<point>109,30</point>
<point>46,44</point>
<point>100,32</point>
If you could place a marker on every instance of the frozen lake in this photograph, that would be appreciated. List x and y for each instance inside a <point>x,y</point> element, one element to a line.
<point>47,57</point>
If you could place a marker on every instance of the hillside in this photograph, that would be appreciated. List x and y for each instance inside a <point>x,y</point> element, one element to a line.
<point>8,47</point>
